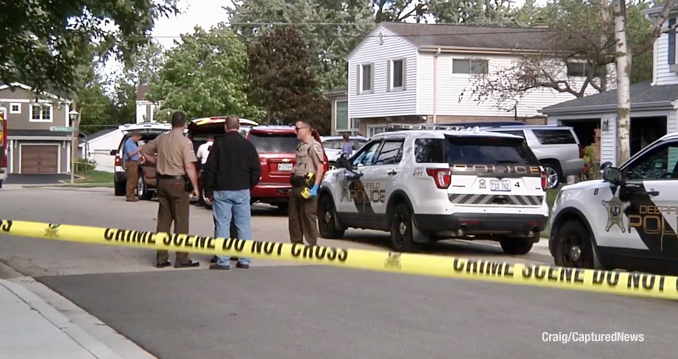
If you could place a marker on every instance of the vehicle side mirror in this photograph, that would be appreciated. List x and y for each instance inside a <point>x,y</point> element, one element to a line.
<point>342,162</point>
<point>604,166</point>
<point>114,152</point>
<point>612,175</point>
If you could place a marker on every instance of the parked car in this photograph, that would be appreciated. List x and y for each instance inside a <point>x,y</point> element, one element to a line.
<point>201,128</point>
<point>333,145</point>
<point>557,148</point>
<point>146,184</point>
<point>276,146</point>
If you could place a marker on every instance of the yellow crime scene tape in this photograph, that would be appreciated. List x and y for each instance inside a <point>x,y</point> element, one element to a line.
<point>625,283</point>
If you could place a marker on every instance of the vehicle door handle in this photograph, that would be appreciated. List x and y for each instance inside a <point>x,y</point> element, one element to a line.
<point>392,172</point>
<point>653,193</point>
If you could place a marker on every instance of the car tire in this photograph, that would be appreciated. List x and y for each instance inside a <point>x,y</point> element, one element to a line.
<point>403,231</point>
<point>142,189</point>
<point>554,174</point>
<point>326,219</point>
<point>574,247</point>
<point>120,188</point>
<point>516,246</point>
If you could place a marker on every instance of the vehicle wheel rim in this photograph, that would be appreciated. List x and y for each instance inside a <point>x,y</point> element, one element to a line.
<point>574,252</point>
<point>402,227</point>
<point>328,215</point>
<point>553,176</point>
<point>140,186</point>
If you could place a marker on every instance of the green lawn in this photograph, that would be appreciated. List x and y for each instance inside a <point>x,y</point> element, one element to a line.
<point>95,177</point>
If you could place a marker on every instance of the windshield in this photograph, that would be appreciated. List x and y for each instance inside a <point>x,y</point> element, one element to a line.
<point>474,151</point>
<point>281,143</point>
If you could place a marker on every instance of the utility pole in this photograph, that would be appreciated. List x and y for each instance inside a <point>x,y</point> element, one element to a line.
<point>623,63</point>
<point>74,116</point>
<point>603,41</point>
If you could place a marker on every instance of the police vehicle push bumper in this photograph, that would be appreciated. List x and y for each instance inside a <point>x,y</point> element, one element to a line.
<point>462,224</point>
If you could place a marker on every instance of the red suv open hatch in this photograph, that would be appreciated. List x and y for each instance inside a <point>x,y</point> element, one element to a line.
<point>276,146</point>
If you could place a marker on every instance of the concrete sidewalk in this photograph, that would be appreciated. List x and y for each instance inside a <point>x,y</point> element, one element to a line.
<point>31,328</point>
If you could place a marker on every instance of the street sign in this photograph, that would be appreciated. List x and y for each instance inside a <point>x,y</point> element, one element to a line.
<point>61,129</point>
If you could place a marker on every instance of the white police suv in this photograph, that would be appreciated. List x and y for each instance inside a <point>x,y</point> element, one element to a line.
<point>427,185</point>
<point>627,220</point>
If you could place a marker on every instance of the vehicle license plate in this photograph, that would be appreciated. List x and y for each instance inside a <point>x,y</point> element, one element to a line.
<point>500,186</point>
<point>282,167</point>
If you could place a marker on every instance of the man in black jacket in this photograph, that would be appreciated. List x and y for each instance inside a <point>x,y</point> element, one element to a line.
<point>231,171</point>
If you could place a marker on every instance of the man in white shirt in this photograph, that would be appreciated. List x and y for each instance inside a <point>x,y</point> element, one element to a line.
<point>204,150</point>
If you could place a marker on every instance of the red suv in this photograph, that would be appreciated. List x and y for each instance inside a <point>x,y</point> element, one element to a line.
<point>276,146</point>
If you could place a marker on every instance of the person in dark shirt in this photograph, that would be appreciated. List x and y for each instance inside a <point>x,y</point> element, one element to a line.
<point>231,171</point>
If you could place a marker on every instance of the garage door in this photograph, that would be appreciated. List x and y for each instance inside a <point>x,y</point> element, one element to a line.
<point>39,159</point>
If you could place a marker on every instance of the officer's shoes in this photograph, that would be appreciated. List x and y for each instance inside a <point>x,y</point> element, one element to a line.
<point>164,264</point>
<point>242,265</point>
<point>189,264</point>
<point>216,266</point>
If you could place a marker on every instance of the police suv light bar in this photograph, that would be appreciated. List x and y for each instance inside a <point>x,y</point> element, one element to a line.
<point>444,127</point>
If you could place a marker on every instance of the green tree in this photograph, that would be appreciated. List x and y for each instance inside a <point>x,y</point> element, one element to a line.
<point>577,32</point>
<point>43,42</point>
<point>204,75</point>
<point>143,70</point>
<point>281,79</point>
<point>94,106</point>
<point>475,12</point>
<point>330,28</point>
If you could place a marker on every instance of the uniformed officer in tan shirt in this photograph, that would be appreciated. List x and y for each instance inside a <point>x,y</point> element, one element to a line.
<point>175,160</point>
<point>303,217</point>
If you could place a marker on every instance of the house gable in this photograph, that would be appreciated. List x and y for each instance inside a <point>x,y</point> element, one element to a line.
<point>26,111</point>
<point>382,75</point>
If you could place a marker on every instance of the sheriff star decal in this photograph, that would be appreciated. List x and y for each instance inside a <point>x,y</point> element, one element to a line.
<point>615,211</point>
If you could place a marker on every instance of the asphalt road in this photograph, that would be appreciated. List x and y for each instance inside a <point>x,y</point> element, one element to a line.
<point>284,310</point>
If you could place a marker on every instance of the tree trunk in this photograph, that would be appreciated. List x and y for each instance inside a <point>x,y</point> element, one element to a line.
<point>623,92</point>
<point>603,39</point>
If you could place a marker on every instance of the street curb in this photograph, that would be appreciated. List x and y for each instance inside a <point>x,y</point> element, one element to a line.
<point>76,333</point>
<point>97,334</point>
<point>37,298</point>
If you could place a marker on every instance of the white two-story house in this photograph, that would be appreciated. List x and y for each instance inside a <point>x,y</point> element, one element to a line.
<point>415,73</point>
<point>653,103</point>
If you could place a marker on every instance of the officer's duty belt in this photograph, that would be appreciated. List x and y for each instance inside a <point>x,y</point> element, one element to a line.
<point>179,178</point>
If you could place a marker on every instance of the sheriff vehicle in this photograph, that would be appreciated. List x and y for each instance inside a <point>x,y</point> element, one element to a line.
<point>627,220</point>
<point>425,184</point>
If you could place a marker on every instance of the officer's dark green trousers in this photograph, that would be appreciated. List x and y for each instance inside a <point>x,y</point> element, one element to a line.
<point>173,206</point>
<point>303,220</point>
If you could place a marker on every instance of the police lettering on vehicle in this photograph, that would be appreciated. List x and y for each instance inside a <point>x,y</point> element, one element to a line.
<point>524,171</point>
<point>359,192</point>
<point>651,219</point>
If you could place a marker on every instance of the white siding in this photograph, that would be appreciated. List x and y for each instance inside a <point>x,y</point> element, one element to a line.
<point>99,150</point>
<point>608,140</point>
<point>382,102</point>
<point>144,108</point>
<point>672,122</point>
<point>663,76</point>
<point>455,90</point>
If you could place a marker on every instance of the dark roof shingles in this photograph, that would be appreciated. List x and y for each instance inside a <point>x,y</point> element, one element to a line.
<point>493,37</point>
<point>641,92</point>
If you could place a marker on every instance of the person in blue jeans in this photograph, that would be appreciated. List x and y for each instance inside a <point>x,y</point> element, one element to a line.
<point>231,171</point>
